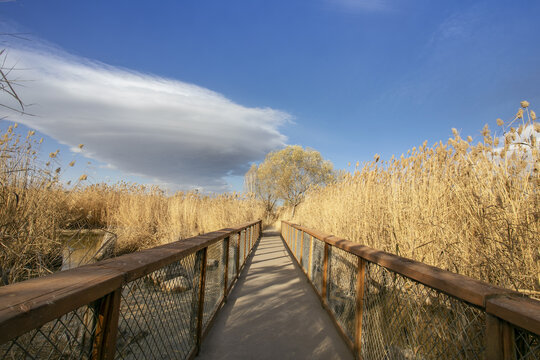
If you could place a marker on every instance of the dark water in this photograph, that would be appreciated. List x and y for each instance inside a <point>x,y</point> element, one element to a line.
<point>80,247</point>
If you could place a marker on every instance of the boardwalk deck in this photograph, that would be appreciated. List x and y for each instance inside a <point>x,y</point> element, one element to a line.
<point>273,313</point>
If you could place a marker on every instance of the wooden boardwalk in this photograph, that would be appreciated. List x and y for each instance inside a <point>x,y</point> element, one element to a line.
<point>273,313</point>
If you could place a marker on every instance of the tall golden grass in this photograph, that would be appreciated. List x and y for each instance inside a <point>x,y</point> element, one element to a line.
<point>37,210</point>
<point>471,209</point>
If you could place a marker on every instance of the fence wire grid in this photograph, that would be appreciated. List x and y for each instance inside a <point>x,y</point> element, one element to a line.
<point>407,320</point>
<point>158,312</point>
<point>316,271</point>
<point>305,251</point>
<point>233,255</point>
<point>71,336</point>
<point>527,344</point>
<point>341,285</point>
<point>215,279</point>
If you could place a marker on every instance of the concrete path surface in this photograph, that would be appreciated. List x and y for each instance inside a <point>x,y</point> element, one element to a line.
<point>273,313</point>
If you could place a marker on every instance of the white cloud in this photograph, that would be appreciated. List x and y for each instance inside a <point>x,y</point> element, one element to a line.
<point>142,124</point>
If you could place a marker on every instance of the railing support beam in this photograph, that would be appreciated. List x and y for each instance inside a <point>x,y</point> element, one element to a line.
<point>226,244</point>
<point>104,345</point>
<point>360,278</point>
<point>325,274</point>
<point>200,312</point>
<point>500,340</point>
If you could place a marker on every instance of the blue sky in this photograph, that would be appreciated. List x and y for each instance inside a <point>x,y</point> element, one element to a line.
<point>218,84</point>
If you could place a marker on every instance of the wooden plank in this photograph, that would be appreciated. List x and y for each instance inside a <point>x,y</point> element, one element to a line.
<point>500,341</point>
<point>517,310</point>
<point>194,314</point>
<point>226,259</point>
<point>238,258</point>
<point>202,286</point>
<point>27,305</point>
<point>245,248</point>
<point>360,277</point>
<point>325,273</point>
<point>301,248</point>
<point>104,346</point>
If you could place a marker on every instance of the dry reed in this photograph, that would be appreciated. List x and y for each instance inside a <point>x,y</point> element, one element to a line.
<point>38,214</point>
<point>471,209</point>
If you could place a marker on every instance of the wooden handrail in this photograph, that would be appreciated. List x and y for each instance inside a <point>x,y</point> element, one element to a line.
<point>506,304</point>
<point>30,304</point>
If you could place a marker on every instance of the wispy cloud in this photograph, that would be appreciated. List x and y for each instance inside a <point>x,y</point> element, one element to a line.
<point>169,130</point>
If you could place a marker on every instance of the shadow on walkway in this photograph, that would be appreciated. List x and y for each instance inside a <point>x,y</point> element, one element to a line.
<point>273,313</point>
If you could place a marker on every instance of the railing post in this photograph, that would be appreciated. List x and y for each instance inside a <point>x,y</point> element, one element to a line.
<point>104,344</point>
<point>238,257</point>
<point>301,247</point>
<point>226,243</point>
<point>200,308</point>
<point>245,247</point>
<point>360,278</point>
<point>500,342</point>
<point>325,272</point>
<point>250,234</point>
<point>295,231</point>
<point>311,240</point>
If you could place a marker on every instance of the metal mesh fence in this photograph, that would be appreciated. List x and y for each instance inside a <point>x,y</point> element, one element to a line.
<point>158,312</point>
<point>70,336</point>
<point>298,245</point>
<point>527,345</point>
<point>403,319</point>
<point>305,251</point>
<point>215,278</point>
<point>233,254</point>
<point>316,271</point>
<point>341,281</point>
<point>242,248</point>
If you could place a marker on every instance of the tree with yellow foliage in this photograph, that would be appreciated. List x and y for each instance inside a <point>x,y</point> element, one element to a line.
<point>287,174</point>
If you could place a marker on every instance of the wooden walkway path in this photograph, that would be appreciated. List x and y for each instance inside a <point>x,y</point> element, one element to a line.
<point>273,313</point>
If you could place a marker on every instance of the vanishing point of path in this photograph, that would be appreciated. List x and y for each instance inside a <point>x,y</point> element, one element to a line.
<point>273,313</point>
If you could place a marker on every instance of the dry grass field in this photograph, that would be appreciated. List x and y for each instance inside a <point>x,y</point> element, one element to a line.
<point>39,213</point>
<point>471,209</point>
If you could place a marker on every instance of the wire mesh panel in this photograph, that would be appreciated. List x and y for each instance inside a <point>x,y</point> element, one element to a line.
<point>341,282</point>
<point>316,271</point>
<point>233,255</point>
<point>527,345</point>
<point>158,312</point>
<point>403,319</point>
<point>249,232</point>
<point>298,245</point>
<point>70,336</point>
<point>305,251</point>
<point>242,247</point>
<point>290,233</point>
<point>215,278</point>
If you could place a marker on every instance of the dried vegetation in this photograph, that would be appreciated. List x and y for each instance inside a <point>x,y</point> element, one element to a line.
<point>39,214</point>
<point>471,209</point>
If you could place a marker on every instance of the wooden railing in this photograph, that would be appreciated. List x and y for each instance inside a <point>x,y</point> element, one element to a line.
<point>389,307</point>
<point>155,303</point>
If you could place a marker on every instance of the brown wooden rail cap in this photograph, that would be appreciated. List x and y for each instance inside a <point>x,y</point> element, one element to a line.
<point>518,310</point>
<point>32,303</point>
<point>29,304</point>
<point>462,287</point>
